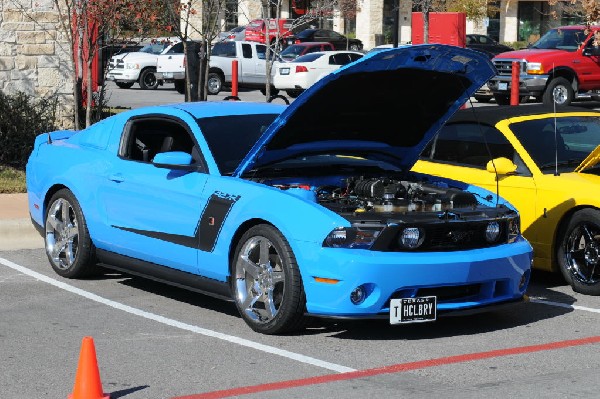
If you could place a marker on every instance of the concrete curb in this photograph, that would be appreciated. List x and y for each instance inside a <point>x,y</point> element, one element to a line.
<point>19,234</point>
<point>16,228</point>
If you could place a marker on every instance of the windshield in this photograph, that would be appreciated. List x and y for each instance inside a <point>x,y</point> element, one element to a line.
<point>292,51</point>
<point>154,48</point>
<point>243,130</point>
<point>575,138</point>
<point>561,39</point>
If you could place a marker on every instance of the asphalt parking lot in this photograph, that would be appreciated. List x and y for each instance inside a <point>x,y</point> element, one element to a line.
<point>158,341</point>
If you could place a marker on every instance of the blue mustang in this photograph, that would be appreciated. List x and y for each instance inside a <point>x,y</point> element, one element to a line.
<point>309,209</point>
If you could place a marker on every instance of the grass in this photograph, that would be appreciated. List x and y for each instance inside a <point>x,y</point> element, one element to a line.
<point>12,180</point>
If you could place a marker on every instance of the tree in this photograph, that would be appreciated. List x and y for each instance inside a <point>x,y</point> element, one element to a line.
<point>89,23</point>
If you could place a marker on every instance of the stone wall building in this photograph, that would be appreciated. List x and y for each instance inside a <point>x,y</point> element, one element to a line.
<point>35,53</point>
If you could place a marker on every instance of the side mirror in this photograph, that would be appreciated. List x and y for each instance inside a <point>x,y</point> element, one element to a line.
<point>501,166</point>
<point>173,160</point>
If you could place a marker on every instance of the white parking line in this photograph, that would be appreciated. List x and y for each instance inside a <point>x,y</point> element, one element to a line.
<point>177,324</point>
<point>564,305</point>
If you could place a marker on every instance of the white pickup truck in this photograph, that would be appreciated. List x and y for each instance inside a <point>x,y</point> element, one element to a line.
<point>140,66</point>
<point>252,68</point>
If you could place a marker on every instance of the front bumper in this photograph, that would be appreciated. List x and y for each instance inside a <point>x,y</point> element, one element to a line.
<point>123,76</point>
<point>462,281</point>
<point>531,85</point>
<point>170,76</point>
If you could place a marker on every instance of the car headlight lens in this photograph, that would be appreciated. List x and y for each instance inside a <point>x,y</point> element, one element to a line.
<point>514,229</point>
<point>411,237</point>
<point>352,237</point>
<point>535,68</point>
<point>492,232</point>
<point>131,65</point>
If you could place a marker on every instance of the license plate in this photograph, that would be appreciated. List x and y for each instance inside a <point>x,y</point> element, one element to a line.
<point>502,86</point>
<point>413,310</point>
<point>284,71</point>
<point>167,75</point>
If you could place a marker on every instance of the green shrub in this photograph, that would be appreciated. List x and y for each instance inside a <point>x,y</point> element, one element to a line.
<point>21,119</point>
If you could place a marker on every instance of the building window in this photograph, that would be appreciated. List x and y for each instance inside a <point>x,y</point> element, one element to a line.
<point>537,17</point>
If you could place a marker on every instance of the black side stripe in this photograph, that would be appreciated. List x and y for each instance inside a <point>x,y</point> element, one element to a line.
<point>212,219</point>
<point>208,228</point>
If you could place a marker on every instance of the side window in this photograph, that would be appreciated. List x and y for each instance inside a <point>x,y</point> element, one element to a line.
<point>246,50</point>
<point>144,138</point>
<point>176,49</point>
<point>469,144</point>
<point>261,51</point>
<point>224,49</point>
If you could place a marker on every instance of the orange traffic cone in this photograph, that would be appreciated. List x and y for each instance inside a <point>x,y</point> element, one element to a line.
<point>87,379</point>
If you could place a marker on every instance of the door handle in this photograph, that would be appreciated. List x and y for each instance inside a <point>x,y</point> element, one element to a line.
<point>117,178</point>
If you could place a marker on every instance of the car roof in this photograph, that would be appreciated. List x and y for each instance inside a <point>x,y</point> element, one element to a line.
<point>492,115</point>
<point>309,44</point>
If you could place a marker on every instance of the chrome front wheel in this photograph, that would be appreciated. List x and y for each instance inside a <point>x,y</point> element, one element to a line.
<point>266,282</point>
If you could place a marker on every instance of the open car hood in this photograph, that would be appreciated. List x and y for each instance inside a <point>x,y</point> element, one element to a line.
<point>590,161</point>
<point>389,102</point>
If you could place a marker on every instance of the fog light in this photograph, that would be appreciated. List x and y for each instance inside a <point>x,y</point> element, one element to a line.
<point>492,232</point>
<point>358,295</point>
<point>412,237</point>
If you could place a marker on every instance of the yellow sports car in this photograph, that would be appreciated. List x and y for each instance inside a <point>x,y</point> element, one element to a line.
<point>544,162</point>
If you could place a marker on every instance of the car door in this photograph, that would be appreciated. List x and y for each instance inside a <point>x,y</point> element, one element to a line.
<point>155,210</point>
<point>589,68</point>
<point>462,151</point>
<point>253,63</point>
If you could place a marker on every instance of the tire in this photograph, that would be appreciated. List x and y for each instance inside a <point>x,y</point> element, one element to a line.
<point>502,99</point>
<point>354,47</point>
<point>578,251</point>
<point>214,83</point>
<point>274,91</point>
<point>180,86</point>
<point>148,79</point>
<point>483,99</point>
<point>293,93</point>
<point>278,97</point>
<point>67,241</point>
<point>124,85</point>
<point>559,92</point>
<point>266,282</point>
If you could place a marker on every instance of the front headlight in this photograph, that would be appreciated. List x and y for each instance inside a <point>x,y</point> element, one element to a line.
<point>132,65</point>
<point>411,237</point>
<point>514,229</point>
<point>352,237</point>
<point>535,68</point>
<point>492,232</point>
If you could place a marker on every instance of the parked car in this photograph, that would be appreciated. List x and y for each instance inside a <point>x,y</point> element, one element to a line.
<point>296,50</point>
<point>298,75</point>
<point>543,162</point>
<point>339,41</point>
<point>486,44</point>
<point>237,33</point>
<point>126,69</point>
<point>313,211</point>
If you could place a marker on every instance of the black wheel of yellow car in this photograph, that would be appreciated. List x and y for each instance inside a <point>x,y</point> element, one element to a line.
<point>67,240</point>
<point>266,282</point>
<point>578,251</point>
